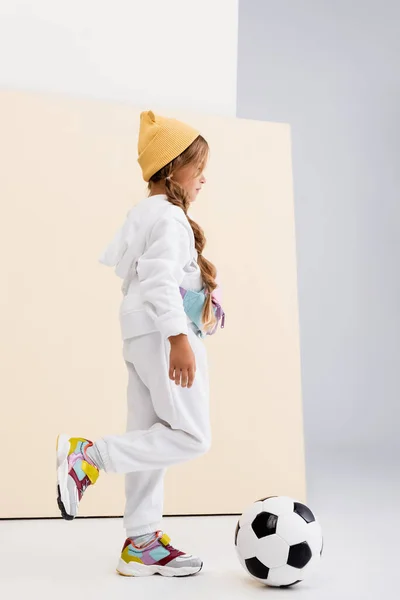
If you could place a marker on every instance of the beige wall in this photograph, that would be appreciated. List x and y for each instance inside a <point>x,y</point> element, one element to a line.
<point>69,175</point>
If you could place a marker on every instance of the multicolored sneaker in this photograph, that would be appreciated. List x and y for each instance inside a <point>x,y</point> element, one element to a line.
<point>157,557</point>
<point>75,472</point>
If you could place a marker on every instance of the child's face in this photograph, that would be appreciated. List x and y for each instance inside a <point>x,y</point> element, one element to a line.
<point>191,179</point>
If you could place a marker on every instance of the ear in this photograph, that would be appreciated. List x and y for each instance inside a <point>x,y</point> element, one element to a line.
<point>148,114</point>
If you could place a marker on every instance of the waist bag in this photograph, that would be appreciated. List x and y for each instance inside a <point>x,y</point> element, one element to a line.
<point>193,305</point>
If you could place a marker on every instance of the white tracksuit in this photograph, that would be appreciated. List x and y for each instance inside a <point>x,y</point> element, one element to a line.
<point>154,253</point>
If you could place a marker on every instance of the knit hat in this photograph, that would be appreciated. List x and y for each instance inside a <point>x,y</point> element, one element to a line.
<point>161,140</point>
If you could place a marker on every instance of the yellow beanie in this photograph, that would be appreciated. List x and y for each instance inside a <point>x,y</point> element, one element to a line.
<point>161,140</point>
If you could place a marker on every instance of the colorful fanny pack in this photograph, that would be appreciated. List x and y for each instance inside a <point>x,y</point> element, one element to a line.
<point>193,304</point>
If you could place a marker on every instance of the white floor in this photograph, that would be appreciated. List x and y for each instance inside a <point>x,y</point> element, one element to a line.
<point>357,502</point>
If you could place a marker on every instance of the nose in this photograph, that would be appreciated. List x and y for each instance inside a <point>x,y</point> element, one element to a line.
<point>203,180</point>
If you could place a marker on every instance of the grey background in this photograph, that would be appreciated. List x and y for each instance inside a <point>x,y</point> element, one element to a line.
<point>330,68</point>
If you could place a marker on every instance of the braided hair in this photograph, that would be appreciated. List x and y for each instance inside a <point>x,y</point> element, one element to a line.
<point>196,154</point>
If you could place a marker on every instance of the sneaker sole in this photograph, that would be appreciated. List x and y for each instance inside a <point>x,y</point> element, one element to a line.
<point>134,569</point>
<point>63,499</point>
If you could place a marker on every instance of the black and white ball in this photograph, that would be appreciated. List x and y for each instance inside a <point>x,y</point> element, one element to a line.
<point>279,541</point>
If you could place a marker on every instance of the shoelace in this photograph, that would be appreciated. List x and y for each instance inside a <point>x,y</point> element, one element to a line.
<point>85,484</point>
<point>167,546</point>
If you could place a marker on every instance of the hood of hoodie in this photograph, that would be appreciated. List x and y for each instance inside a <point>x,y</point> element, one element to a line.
<point>129,241</point>
<point>120,251</point>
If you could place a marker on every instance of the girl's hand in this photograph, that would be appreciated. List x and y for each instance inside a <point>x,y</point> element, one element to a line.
<point>182,362</point>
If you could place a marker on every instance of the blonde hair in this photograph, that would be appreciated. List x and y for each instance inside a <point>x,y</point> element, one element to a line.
<point>196,154</point>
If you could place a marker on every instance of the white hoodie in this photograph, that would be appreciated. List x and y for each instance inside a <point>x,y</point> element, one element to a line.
<point>154,253</point>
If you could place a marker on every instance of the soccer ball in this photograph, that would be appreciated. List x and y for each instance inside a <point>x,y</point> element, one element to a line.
<point>278,541</point>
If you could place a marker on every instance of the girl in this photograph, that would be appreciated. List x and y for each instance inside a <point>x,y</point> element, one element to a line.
<point>170,303</point>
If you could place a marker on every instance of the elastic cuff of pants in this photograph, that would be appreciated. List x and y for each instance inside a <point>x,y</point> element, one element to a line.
<point>151,528</point>
<point>102,448</point>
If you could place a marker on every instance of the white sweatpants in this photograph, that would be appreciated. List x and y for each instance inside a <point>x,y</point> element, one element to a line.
<point>167,424</point>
